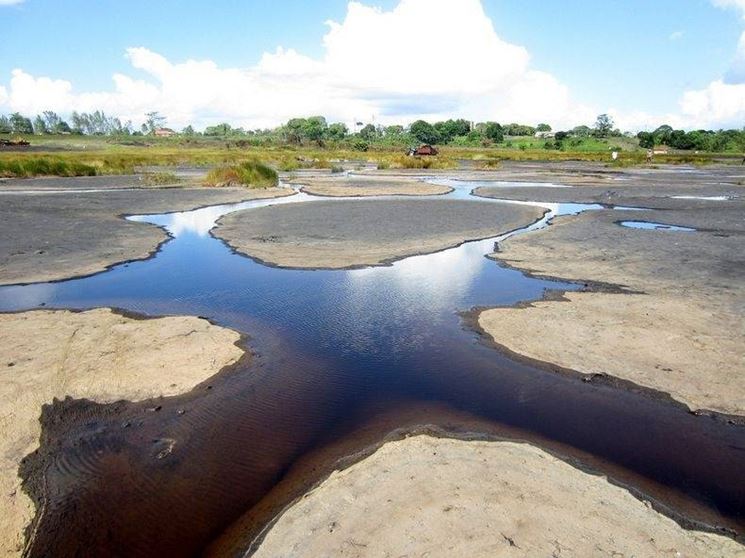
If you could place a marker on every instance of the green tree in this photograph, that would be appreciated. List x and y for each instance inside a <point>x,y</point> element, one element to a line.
<point>519,130</point>
<point>369,132</point>
<point>662,134</point>
<point>40,127</point>
<point>20,124</point>
<point>5,126</point>
<point>337,131</point>
<point>646,140</point>
<point>424,132</point>
<point>582,131</point>
<point>543,128</point>
<point>394,131</point>
<point>494,132</point>
<point>314,128</point>
<point>219,130</point>
<point>450,129</point>
<point>603,126</point>
<point>188,131</point>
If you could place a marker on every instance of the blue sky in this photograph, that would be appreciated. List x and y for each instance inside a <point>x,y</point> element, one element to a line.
<point>629,55</point>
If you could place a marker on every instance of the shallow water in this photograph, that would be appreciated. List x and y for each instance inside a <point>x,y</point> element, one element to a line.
<point>652,226</point>
<point>330,343</point>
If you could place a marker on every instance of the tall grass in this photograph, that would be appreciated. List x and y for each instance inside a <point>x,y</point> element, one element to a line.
<point>43,166</point>
<point>251,173</point>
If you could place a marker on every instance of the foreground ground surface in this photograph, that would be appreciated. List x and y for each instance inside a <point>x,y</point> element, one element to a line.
<point>680,330</point>
<point>445,498</point>
<point>50,236</point>
<point>677,329</point>
<point>340,234</point>
<point>97,355</point>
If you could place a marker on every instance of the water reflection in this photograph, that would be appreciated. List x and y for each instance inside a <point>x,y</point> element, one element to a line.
<point>649,225</point>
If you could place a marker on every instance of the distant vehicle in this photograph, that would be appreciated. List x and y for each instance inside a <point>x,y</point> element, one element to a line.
<point>425,150</point>
<point>14,142</point>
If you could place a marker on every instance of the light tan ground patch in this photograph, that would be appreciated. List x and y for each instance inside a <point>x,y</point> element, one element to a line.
<point>97,355</point>
<point>684,336</point>
<point>369,186</point>
<point>348,233</point>
<point>424,496</point>
<point>666,343</point>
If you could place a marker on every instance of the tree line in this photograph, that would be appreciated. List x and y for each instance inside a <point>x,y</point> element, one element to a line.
<point>315,130</point>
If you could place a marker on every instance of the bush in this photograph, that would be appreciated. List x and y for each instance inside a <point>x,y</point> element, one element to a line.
<point>251,173</point>
<point>159,179</point>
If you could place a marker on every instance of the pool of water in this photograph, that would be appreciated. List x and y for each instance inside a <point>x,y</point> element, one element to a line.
<point>330,343</point>
<point>651,226</point>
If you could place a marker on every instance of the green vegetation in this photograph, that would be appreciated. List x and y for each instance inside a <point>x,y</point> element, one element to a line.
<point>251,173</point>
<point>43,166</point>
<point>98,144</point>
<point>160,179</point>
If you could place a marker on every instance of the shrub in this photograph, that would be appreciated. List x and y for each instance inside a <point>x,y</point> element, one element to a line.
<point>159,179</point>
<point>251,173</point>
<point>360,145</point>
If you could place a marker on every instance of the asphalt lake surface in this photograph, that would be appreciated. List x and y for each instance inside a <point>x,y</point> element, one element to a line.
<point>332,348</point>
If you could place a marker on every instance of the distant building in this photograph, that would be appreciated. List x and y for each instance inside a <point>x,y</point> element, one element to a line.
<point>545,135</point>
<point>661,150</point>
<point>423,150</point>
<point>164,132</point>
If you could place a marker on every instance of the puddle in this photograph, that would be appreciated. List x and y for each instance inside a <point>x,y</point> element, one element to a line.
<point>649,225</point>
<point>473,184</point>
<point>708,198</point>
<point>329,344</point>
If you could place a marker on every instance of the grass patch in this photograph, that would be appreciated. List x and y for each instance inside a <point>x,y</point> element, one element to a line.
<point>43,166</point>
<point>159,179</point>
<point>252,174</point>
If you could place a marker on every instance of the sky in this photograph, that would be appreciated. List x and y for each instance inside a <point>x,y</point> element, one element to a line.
<point>256,63</point>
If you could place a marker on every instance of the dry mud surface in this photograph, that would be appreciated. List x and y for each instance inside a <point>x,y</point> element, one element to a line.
<point>341,234</point>
<point>97,355</point>
<point>53,236</point>
<point>435,497</point>
<point>680,330</point>
<point>367,185</point>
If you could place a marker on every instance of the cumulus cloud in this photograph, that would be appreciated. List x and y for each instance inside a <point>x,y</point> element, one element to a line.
<point>736,72</point>
<point>11,2</point>
<point>475,74</point>
<point>376,64</point>
<point>735,4</point>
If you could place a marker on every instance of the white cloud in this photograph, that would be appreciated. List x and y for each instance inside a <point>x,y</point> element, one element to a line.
<point>376,64</point>
<point>736,72</point>
<point>11,2</point>
<point>736,4</point>
<point>676,35</point>
<point>474,74</point>
<point>718,105</point>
